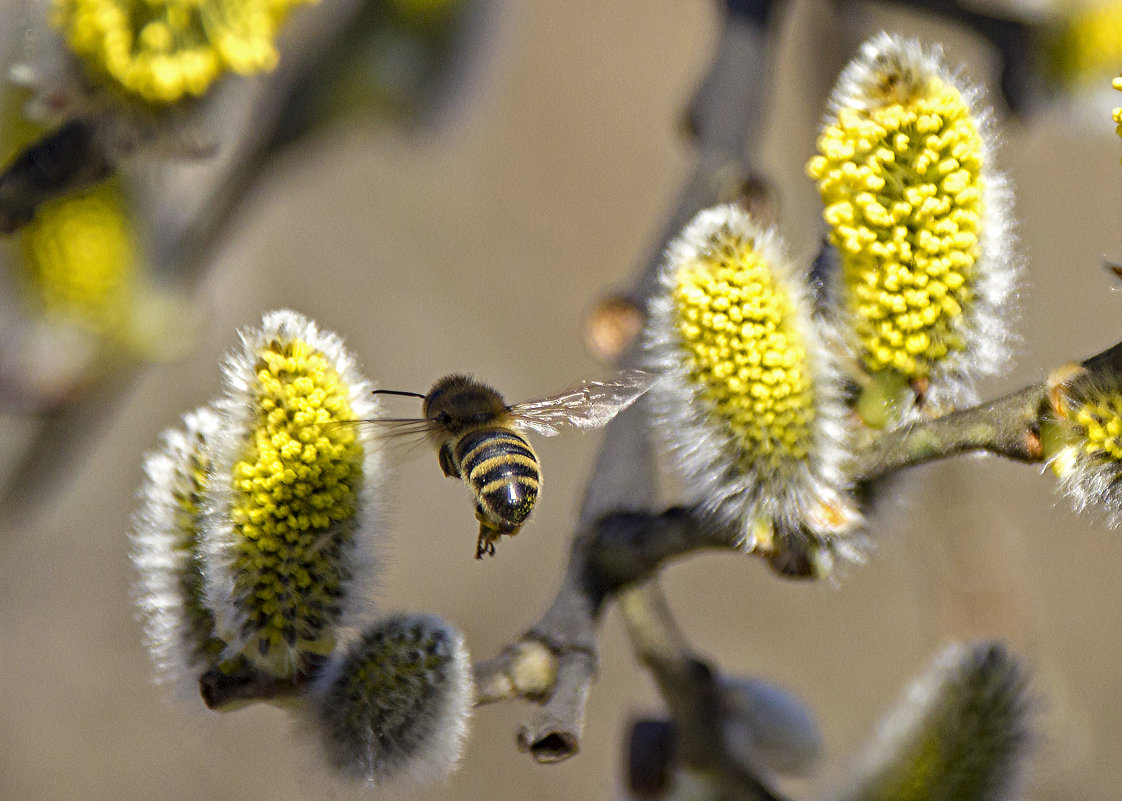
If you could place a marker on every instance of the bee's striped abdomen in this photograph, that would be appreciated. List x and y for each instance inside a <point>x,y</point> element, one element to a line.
<point>502,470</point>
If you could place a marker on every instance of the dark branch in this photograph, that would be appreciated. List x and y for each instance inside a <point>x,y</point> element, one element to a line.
<point>68,158</point>
<point>1004,427</point>
<point>693,694</point>
<point>225,691</point>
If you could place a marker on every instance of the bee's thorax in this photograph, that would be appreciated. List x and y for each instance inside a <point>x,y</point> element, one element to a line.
<point>459,403</point>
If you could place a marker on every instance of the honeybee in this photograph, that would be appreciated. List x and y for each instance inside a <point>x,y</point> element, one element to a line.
<point>478,438</point>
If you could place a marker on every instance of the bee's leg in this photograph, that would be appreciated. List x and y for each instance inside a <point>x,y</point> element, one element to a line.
<point>485,545</point>
<point>447,462</point>
<point>489,534</point>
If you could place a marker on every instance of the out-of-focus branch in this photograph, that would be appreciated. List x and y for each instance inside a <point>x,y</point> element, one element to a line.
<point>692,693</point>
<point>186,210</point>
<point>68,158</point>
<point>223,691</point>
<point>724,117</point>
<point>1014,40</point>
<point>187,204</point>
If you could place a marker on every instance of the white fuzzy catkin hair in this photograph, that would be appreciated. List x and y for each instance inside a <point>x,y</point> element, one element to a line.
<point>412,731</point>
<point>986,325</point>
<point>174,640</point>
<point>974,702</point>
<point>704,450</point>
<point>238,408</point>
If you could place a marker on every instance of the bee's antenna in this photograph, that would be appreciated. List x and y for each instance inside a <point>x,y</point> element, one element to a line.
<point>397,392</point>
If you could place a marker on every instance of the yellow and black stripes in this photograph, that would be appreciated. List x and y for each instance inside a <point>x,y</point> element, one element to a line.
<point>502,471</point>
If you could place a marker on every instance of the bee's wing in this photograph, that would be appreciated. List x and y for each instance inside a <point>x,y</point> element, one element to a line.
<point>590,404</point>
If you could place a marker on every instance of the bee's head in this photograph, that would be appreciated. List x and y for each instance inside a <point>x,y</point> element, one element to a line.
<point>459,402</point>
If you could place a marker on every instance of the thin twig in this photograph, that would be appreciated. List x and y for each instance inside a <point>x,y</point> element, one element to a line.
<point>692,692</point>
<point>1006,427</point>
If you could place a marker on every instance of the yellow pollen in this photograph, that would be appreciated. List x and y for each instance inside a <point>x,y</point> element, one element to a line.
<point>1100,422</point>
<point>81,262</point>
<point>1090,45</point>
<point>754,371</point>
<point>294,490</point>
<point>160,51</point>
<point>901,186</point>
<point>1117,84</point>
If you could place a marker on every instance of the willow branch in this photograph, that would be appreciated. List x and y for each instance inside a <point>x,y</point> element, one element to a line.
<point>692,693</point>
<point>68,158</point>
<point>621,548</point>
<point>1004,427</point>
<point>1007,427</point>
<point>625,548</point>
<point>724,116</point>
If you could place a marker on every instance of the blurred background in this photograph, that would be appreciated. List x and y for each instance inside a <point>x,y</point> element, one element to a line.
<point>478,240</point>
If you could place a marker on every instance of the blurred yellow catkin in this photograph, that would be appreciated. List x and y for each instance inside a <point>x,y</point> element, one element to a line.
<point>160,51</point>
